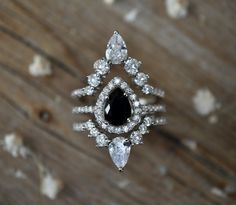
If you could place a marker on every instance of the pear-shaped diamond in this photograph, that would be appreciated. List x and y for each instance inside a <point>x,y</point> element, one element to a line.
<point>119,150</point>
<point>116,50</point>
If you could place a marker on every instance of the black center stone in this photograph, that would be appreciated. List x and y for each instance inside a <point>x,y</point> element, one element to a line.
<point>117,108</point>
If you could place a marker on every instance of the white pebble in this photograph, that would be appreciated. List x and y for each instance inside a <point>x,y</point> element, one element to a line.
<point>20,175</point>
<point>131,15</point>
<point>204,102</point>
<point>191,144</point>
<point>177,9</point>
<point>163,170</point>
<point>109,2</point>
<point>50,186</point>
<point>122,184</point>
<point>213,119</point>
<point>218,192</point>
<point>40,66</point>
<point>13,144</point>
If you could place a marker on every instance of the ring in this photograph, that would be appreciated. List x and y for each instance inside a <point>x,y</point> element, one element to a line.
<point>121,118</point>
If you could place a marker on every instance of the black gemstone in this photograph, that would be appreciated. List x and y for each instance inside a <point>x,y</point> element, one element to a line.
<point>117,108</point>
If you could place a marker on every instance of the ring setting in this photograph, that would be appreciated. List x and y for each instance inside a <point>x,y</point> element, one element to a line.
<point>118,111</point>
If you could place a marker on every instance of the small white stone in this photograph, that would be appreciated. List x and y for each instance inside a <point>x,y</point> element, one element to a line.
<point>20,175</point>
<point>50,186</point>
<point>136,138</point>
<point>132,66</point>
<point>140,79</point>
<point>40,66</point>
<point>13,144</point>
<point>177,9</point>
<point>218,192</point>
<point>191,144</point>
<point>102,140</point>
<point>213,119</point>
<point>109,2</point>
<point>131,15</point>
<point>101,66</point>
<point>119,150</point>
<point>204,102</point>
<point>116,50</point>
<point>94,80</point>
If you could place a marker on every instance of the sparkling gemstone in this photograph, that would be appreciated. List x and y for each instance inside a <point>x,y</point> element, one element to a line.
<point>140,79</point>
<point>136,137</point>
<point>101,66</point>
<point>117,108</point>
<point>119,150</point>
<point>132,66</point>
<point>94,80</point>
<point>102,140</point>
<point>116,50</point>
<point>147,89</point>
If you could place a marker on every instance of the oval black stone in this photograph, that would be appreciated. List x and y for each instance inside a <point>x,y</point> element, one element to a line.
<point>117,108</point>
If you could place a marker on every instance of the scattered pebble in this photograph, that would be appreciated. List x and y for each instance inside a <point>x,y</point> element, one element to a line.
<point>177,9</point>
<point>213,119</point>
<point>50,186</point>
<point>13,144</point>
<point>218,192</point>
<point>131,15</point>
<point>109,2</point>
<point>163,170</point>
<point>204,102</point>
<point>40,66</point>
<point>20,175</point>
<point>123,183</point>
<point>191,144</point>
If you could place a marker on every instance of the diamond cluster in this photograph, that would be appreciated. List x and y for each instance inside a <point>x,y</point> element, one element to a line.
<point>138,116</point>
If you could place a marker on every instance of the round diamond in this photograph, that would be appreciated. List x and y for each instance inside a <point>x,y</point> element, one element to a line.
<point>147,89</point>
<point>101,66</point>
<point>136,137</point>
<point>148,121</point>
<point>94,132</point>
<point>132,66</point>
<point>94,80</point>
<point>102,140</point>
<point>143,129</point>
<point>140,79</point>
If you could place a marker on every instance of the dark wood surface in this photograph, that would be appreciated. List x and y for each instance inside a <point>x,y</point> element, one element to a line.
<point>182,57</point>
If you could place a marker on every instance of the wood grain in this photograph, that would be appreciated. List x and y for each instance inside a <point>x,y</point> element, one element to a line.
<point>182,56</point>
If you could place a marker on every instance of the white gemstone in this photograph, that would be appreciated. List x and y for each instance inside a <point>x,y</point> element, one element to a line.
<point>140,79</point>
<point>132,66</point>
<point>148,121</point>
<point>116,50</point>
<point>136,137</point>
<point>102,140</point>
<point>94,132</point>
<point>101,66</point>
<point>119,150</point>
<point>143,129</point>
<point>147,89</point>
<point>94,80</point>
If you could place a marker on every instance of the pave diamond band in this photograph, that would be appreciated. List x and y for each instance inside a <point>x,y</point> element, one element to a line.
<point>118,109</point>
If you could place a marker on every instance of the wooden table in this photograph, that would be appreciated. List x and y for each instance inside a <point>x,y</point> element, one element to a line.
<point>181,56</point>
